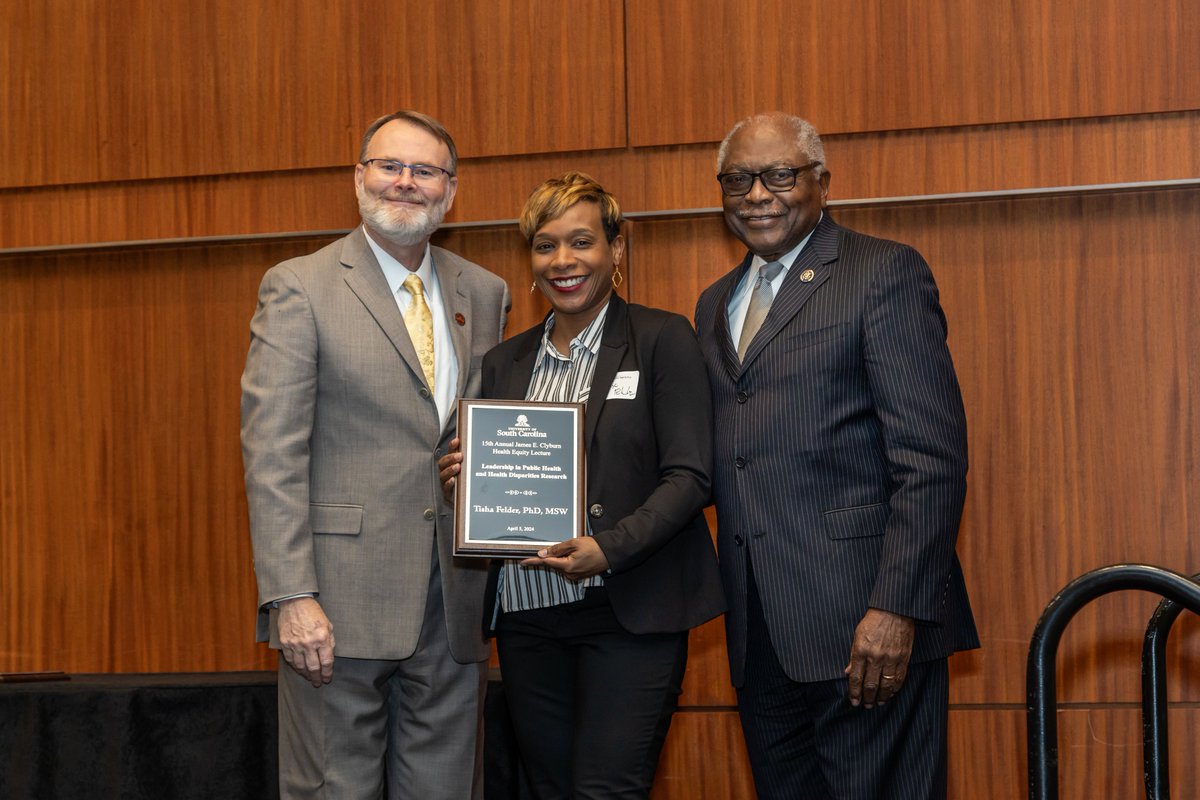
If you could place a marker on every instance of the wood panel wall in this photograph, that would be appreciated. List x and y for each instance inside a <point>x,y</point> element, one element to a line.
<point>172,136</point>
<point>133,89</point>
<point>863,65</point>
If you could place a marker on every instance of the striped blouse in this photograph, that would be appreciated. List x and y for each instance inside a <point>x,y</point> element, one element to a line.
<point>556,379</point>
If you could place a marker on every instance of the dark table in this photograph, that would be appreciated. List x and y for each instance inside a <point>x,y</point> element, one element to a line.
<point>161,736</point>
<point>172,736</point>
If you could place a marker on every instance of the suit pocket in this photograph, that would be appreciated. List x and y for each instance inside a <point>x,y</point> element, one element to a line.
<point>803,339</point>
<point>335,519</point>
<point>856,522</point>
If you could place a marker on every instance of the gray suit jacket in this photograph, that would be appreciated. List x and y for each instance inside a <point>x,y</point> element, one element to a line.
<point>840,455</point>
<point>340,439</point>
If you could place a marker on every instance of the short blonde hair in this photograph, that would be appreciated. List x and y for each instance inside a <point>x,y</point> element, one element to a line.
<point>556,196</point>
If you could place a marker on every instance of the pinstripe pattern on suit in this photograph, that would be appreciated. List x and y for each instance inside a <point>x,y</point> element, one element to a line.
<point>895,751</point>
<point>839,478</point>
<point>840,455</point>
<point>840,474</point>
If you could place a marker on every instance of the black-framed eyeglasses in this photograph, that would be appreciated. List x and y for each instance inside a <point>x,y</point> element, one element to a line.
<point>422,173</point>
<point>775,179</point>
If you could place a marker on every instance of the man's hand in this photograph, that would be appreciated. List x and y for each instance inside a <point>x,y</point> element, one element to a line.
<point>449,466</point>
<point>306,637</point>
<point>575,558</point>
<point>879,657</point>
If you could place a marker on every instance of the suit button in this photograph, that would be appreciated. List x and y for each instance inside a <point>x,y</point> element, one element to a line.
<point>424,393</point>
<point>737,539</point>
<point>429,513</point>
<point>739,462</point>
<point>743,397</point>
<point>596,510</point>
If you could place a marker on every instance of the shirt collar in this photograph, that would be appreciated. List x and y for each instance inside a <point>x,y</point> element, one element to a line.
<point>789,257</point>
<point>588,338</point>
<point>395,272</point>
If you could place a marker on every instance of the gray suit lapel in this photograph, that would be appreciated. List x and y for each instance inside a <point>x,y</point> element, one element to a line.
<point>812,268</point>
<point>366,279</point>
<point>457,305</point>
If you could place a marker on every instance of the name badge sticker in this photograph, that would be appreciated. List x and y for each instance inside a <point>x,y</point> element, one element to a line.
<point>624,386</point>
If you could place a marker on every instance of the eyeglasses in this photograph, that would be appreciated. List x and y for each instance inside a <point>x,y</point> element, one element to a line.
<point>421,173</point>
<point>775,179</point>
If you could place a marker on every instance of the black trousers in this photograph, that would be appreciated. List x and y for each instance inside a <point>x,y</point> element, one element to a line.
<point>590,702</point>
<point>806,742</point>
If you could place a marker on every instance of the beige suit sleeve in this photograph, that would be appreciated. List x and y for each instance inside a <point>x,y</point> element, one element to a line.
<point>278,399</point>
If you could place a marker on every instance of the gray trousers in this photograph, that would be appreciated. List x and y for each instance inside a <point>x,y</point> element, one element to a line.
<point>418,721</point>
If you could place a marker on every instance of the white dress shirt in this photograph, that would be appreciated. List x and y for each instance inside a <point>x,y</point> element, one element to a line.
<point>739,301</point>
<point>445,360</point>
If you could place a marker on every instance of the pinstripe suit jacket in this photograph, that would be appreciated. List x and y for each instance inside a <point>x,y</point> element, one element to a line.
<point>340,438</point>
<point>840,455</point>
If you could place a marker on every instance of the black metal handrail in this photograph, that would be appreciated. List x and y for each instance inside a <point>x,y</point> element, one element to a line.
<point>1041,688</point>
<point>1156,756</point>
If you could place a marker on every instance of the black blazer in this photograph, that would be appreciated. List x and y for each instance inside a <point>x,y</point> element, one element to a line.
<point>648,464</point>
<point>840,455</point>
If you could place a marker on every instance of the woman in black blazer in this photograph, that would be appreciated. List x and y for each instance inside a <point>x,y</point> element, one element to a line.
<point>592,632</point>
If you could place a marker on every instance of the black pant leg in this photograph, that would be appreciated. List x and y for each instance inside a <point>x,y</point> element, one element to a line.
<point>591,703</point>
<point>806,742</point>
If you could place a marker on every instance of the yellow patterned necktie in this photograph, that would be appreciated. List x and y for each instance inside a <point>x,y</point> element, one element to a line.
<point>419,321</point>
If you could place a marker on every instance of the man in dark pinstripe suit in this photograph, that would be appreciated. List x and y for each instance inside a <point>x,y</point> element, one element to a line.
<point>840,474</point>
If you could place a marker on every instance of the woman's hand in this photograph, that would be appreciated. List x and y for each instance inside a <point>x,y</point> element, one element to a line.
<point>575,558</point>
<point>449,466</point>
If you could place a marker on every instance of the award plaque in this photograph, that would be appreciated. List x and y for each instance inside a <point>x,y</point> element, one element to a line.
<point>521,487</point>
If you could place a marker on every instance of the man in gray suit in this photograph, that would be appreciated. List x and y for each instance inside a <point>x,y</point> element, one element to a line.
<point>357,354</point>
<point>840,474</point>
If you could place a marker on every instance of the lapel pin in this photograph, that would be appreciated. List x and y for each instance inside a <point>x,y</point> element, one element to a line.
<point>460,319</point>
<point>807,276</point>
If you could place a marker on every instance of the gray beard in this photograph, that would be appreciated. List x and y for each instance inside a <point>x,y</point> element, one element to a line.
<point>399,227</point>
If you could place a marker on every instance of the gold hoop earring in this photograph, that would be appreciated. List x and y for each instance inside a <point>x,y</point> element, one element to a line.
<point>617,277</point>
<point>532,286</point>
